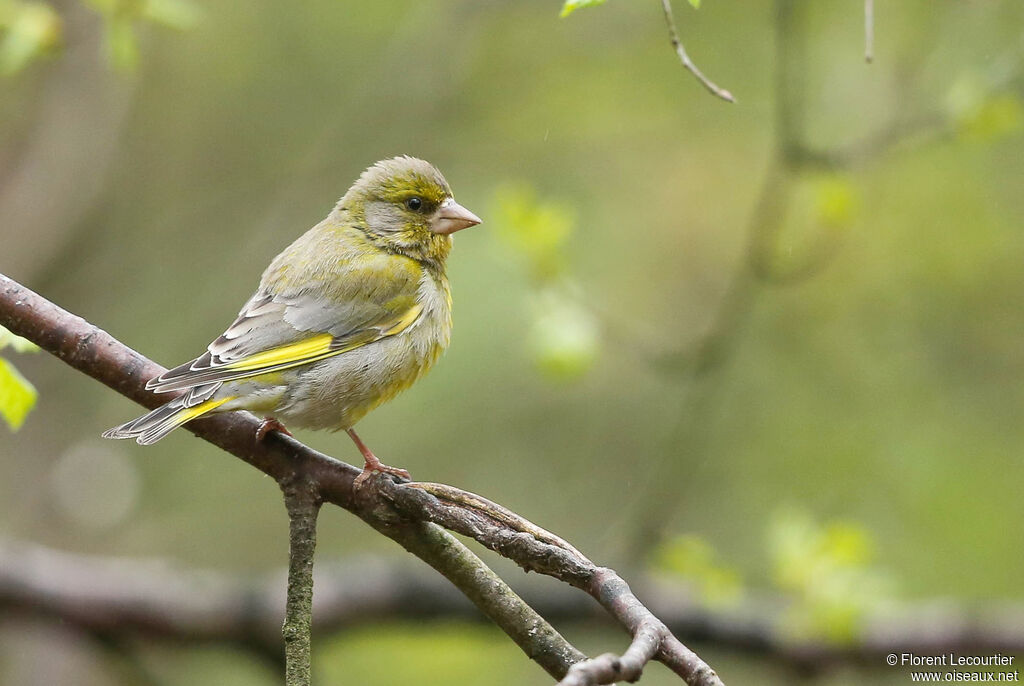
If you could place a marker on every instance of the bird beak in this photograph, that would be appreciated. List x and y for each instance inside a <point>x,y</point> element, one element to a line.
<point>451,217</point>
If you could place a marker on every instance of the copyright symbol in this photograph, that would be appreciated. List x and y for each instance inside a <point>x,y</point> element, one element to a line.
<point>891,659</point>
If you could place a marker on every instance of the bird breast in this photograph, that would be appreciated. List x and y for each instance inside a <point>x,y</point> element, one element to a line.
<point>337,392</point>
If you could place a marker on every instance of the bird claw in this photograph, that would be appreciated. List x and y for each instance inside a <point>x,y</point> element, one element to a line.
<point>378,467</point>
<point>270,424</point>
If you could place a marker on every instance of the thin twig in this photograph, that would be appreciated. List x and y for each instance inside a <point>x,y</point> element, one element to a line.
<point>869,31</point>
<point>685,58</point>
<point>303,504</point>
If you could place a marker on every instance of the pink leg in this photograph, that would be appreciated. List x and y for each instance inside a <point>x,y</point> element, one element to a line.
<point>372,463</point>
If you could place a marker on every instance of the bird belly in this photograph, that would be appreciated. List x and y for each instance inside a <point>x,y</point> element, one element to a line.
<point>337,392</point>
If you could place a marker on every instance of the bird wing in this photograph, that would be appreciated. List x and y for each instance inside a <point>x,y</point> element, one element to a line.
<point>280,327</point>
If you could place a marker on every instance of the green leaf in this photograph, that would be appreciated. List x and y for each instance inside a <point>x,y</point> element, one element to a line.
<point>21,345</point>
<point>571,6</point>
<point>17,395</point>
<point>696,4</point>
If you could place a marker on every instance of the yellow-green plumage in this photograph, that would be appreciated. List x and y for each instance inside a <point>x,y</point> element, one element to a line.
<point>346,317</point>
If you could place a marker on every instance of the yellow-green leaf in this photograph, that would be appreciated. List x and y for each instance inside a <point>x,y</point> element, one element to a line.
<point>21,345</point>
<point>17,395</point>
<point>696,4</point>
<point>571,6</point>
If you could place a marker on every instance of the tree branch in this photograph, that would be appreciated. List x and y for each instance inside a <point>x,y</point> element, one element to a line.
<point>677,44</point>
<point>303,504</point>
<point>405,514</point>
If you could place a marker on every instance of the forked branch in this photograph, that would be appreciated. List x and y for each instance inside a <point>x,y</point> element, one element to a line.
<point>409,514</point>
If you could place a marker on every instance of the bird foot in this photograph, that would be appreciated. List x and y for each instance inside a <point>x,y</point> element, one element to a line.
<point>270,424</point>
<point>375,465</point>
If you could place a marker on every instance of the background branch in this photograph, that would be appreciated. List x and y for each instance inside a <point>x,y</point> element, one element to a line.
<point>119,597</point>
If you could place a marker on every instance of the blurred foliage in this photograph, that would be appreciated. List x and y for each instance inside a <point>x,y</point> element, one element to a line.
<point>982,108</point>
<point>17,394</point>
<point>829,572</point>
<point>693,560</point>
<point>836,201</point>
<point>121,20</point>
<point>564,338</point>
<point>823,208</point>
<point>993,118</point>
<point>28,31</point>
<point>536,230</point>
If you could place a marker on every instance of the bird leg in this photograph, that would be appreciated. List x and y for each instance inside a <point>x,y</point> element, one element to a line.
<point>372,464</point>
<point>270,424</point>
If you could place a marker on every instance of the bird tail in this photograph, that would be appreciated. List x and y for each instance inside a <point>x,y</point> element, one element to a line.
<point>150,428</point>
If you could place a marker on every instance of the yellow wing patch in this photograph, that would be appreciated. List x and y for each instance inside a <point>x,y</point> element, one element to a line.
<point>191,413</point>
<point>406,321</point>
<point>302,351</point>
<point>319,347</point>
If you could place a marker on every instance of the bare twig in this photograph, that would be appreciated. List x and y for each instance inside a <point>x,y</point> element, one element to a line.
<point>869,31</point>
<point>677,44</point>
<point>303,503</point>
<point>409,515</point>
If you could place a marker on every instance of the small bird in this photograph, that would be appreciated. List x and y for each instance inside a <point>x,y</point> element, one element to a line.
<point>349,315</point>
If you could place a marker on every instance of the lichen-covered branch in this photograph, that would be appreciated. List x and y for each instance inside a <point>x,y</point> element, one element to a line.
<point>406,514</point>
<point>303,504</point>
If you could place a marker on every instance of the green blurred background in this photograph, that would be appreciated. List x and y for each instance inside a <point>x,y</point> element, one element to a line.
<point>685,352</point>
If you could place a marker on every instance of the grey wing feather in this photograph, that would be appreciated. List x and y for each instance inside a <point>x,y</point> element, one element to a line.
<point>265,322</point>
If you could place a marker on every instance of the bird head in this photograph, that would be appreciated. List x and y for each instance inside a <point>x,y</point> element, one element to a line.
<point>405,205</point>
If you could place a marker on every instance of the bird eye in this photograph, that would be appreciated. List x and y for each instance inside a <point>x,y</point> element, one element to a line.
<point>414,204</point>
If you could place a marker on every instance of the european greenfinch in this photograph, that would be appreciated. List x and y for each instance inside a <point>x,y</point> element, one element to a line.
<point>350,314</point>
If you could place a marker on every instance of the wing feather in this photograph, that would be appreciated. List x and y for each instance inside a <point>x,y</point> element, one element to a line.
<point>280,328</point>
